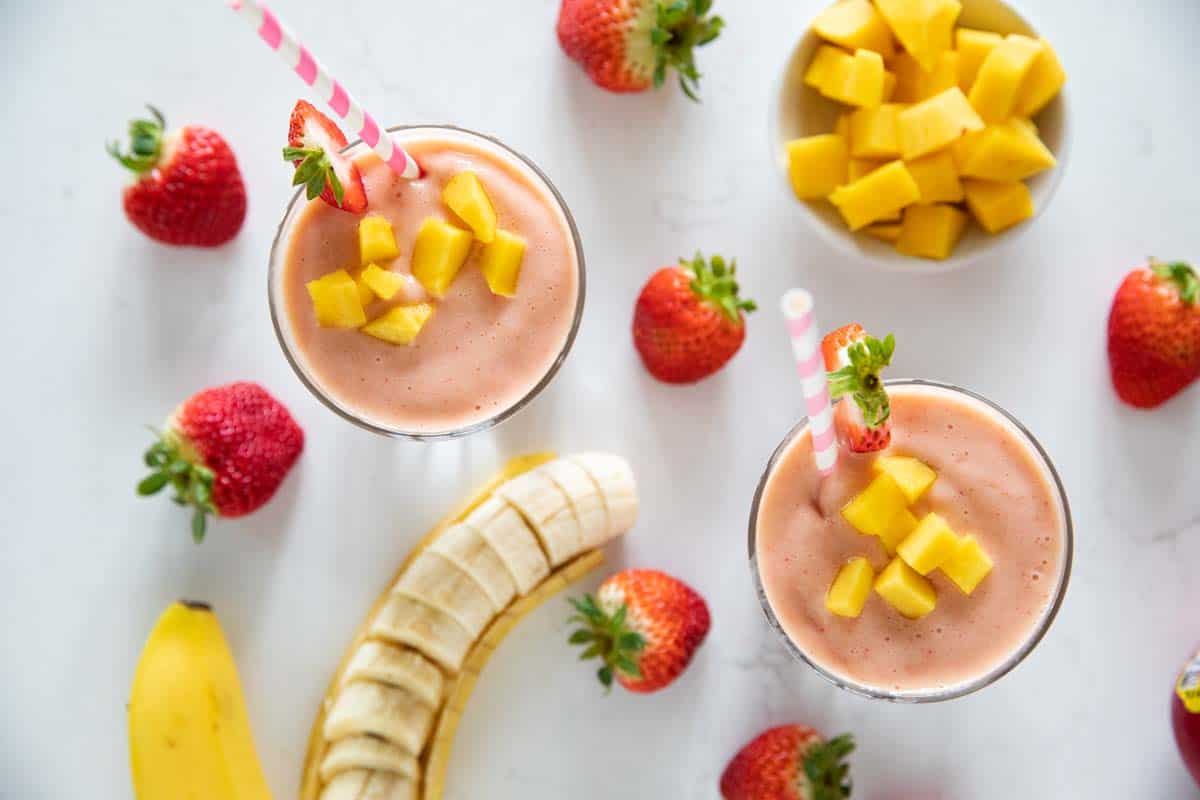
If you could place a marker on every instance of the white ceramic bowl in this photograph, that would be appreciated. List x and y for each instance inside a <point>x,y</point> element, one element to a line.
<point>799,110</point>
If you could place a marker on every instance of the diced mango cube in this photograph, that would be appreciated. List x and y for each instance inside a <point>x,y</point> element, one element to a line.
<point>973,47</point>
<point>898,530</point>
<point>851,588</point>
<point>384,283</point>
<point>994,93</point>
<point>827,64</point>
<point>876,196</point>
<point>1003,151</point>
<point>940,31</point>
<point>889,86</point>
<point>376,240</point>
<point>968,566</point>
<point>842,126</point>
<point>930,545</point>
<point>335,300</point>
<point>1043,81</point>
<point>500,262</point>
<point>923,27</point>
<point>401,324</point>
<point>366,295</point>
<point>935,123</point>
<point>860,167</point>
<point>817,165</point>
<point>905,590</point>
<point>884,232</point>
<point>998,206</point>
<point>873,132</point>
<point>863,85</point>
<point>465,196</point>
<point>931,231</point>
<point>937,178</point>
<point>438,254</point>
<point>855,24</point>
<point>871,510</point>
<point>912,475</point>
<point>914,84</point>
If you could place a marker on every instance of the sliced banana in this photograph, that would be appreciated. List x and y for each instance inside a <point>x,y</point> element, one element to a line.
<point>347,785</point>
<point>584,497</point>
<point>386,711</point>
<point>438,581</point>
<point>506,532</point>
<point>547,510</point>
<point>614,478</point>
<point>367,753</point>
<point>389,786</point>
<point>405,620</point>
<point>467,548</point>
<point>398,666</point>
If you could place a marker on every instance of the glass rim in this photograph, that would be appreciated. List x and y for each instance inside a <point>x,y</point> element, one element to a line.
<point>974,684</point>
<point>313,386</point>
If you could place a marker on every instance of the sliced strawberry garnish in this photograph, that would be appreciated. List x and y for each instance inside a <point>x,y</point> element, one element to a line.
<point>833,346</point>
<point>314,146</point>
<point>854,360</point>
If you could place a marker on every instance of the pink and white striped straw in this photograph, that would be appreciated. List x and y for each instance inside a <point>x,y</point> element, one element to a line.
<point>313,73</point>
<point>806,346</point>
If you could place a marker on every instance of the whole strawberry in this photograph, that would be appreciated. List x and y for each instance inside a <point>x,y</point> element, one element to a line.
<point>791,762</point>
<point>854,360</point>
<point>189,190</point>
<point>628,45</point>
<point>689,320</point>
<point>644,625</point>
<point>315,143</point>
<point>1154,333</point>
<point>224,451</point>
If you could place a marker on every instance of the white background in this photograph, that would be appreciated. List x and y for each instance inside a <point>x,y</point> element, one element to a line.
<point>104,331</point>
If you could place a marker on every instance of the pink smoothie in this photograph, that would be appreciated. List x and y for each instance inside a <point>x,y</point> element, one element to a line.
<point>479,354</point>
<point>991,483</point>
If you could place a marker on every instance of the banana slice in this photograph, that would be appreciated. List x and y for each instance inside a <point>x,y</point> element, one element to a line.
<point>389,786</point>
<point>614,478</point>
<point>389,712</point>
<point>367,753</point>
<point>503,529</point>
<point>436,580</point>
<point>436,634</point>
<point>397,666</point>
<point>347,785</point>
<point>471,553</point>
<point>584,497</point>
<point>546,508</point>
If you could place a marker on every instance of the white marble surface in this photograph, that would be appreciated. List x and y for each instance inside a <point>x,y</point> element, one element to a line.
<point>105,331</point>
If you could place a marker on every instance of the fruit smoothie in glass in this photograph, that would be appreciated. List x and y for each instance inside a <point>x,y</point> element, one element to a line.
<point>455,329</point>
<point>934,621</point>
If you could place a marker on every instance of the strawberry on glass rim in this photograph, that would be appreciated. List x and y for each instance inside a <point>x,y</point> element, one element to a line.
<point>315,145</point>
<point>789,762</point>
<point>854,360</point>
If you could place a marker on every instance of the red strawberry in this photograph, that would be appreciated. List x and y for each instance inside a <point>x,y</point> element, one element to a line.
<point>791,762</point>
<point>628,45</point>
<point>188,190</point>
<point>854,360</point>
<point>225,451</point>
<point>644,625</point>
<point>1154,333</point>
<point>315,146</point>
<point>688,320</point>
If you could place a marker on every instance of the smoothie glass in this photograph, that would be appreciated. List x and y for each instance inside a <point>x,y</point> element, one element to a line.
<point>283,324</point>
<point>973,682</point>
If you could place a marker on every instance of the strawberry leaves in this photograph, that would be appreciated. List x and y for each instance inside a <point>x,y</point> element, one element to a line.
<point>826,768</point>
<point>192,482</point>
<point>1180,274</point>
<point>860,378</point>
<point>145,143</point>
<point>716,283</point>
<point>608,637</point>
<point>314,171</point>
<point>680,27</point>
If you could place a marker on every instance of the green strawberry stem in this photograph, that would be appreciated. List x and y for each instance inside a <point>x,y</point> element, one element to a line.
<point>826,768</point>
<point>145,143</point>
<point>192,482</point>
<point>314,171</point>
<point>860,378</point>
<point>1182,275</point>
<point>606,637</point>
<point>680,27</point>
<point>716,282</point>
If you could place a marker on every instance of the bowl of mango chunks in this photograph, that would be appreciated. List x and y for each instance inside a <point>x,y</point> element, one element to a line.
<point>917,134</point>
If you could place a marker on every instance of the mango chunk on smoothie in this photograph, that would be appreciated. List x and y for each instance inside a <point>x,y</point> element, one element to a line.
<point>973,47</point>
<point>500,262</point>
<point>1004,151</point>
<point>931,231</point>
<point>382,282</point>
<point>817,165</point>
<point>1044,80</point>
<point>937,178</point>
<point>366,295</point>
<point>828,64</point>
<point>884,232</point>
<point>968,566</point>
<point>401,324</point>
<point>898,530</point>
<point>912,475</point>
<point>855,24</point>
<point>914,84</point>
<point>438,254</point>
<point>905,590</point>
<point>930,545</point>
<point>873,132</point>
<point>465,196</point>
<point>924,27</point>
<point>376,240</point>
<point>336,301</point>
<point>862,84</point>
<point>994,92</point>
<point>876,196</point>
<point>871,510</point>
<point>935,123</point>
<point>998,206</point>
<point>851,588</point>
